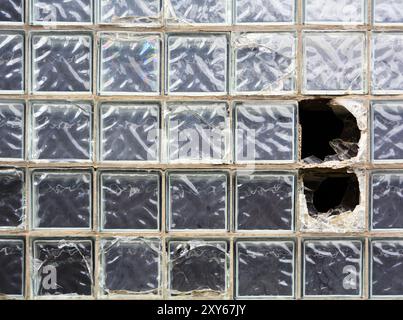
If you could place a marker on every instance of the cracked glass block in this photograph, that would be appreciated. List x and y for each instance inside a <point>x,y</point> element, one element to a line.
<point>145,13</point>
<point>264,201</point>
<point>61,63</point>
<point>387,132</point>
<point>198,132</point>
<point>130,200</point>
<point>198,267</point>
<point>12,198</point>
<point>62,267</point>
<point>265,131</point>
<point>335,11</point>
<point>12,11</point>
<point>332,268</point>
<point>264,63</point>
<point>61,131</point>
<point>387,62</point>
<point>264,269</point>
<point>12,267</point>
<point>61,11</point>
<point>130,266</point>
<point>197,201</point>
<point>388,12</point>
<point>129,63</point>
<point>61,199</point>
<point>197,64</point>
<point>11,62</point>
<point>12,129</point>
<point>129,131</point>
<point>334,62</point>
<point>265,11</point>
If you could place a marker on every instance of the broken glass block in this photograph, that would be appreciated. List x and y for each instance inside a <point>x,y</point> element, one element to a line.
<point>265,11</point>
<point>335,11</point>
<point>265,131</point>
<point>12,198</point>
<point>197,64</point>
<point>387,12</point>
<point>12,267</point>
<point>197,201</point>
<point>198,267</point>
<point>61,63</point>
<point>129,63</point>
<point>334,62</point>
<point>264,269</point>
<point>130,266</point>
<point>12,129</point>
<point>61,199</point>
<point>12,11</point>
<point>332,268</point>
<point>11,62</point>
<point>61,11</point>
<point>264,201</point>
<point>264,62</point>
<point>129,131</point>
<point>130,200</point>
<point>198,132</point>
<point>62,267</point>
<point>61,131</point>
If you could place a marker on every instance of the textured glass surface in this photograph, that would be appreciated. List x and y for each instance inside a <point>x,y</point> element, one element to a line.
<point>11,129</point>
<point>12,11</point>
<point>12,267</point>
<point>130,200</point>
<point>265,11</point>
<point>335,11</point>
<point>62,11</point>
<point>388,11</point>
<point>11,62</point>
<point>12,202</point>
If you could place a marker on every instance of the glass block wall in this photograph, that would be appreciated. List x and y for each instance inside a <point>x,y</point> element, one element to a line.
<point>229,149</point>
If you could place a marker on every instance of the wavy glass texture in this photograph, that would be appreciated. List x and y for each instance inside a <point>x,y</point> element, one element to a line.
<point>130,266</point>
<point>129,63</point>
<point>388,12</point>
<point>12,267</point>
<point>130,201</point>
<point>12,198</point>
<point>332,267</point>
<point>61,131</point>
<point>61,63</point>
<point>335,11</point>
<point>197,132</point>
<point>334,62</point>
<point>69,263</point>
<point>265,11</point>
<point>197,201</point>
<point>129,132</point>
<point>264,269</point>
<point>61,199</point>
<point>264,62</point>
<point>61,11</point>
<point>265,131</point>
<point>12,130</point>
<point>197,64</point>
<point>11,11</point>
<point>11,62</point>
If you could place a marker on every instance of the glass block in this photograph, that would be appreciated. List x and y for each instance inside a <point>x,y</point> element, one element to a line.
<point>334,62</point>
<point>264,201</point>
<point>265,131</point>
<point>388,12</point>
<point>130,266</point>
<point>197,201</point>
<point>61,199</point>
<point>387,133</point>
<point>198,267</point>
<point>130,200</point>
<point>387,63</point>
<point>129,131</point>
<point>264,63</point>
<point>61,11</point>
<point>198,132</point>
<point>145,13</point>
<point>12,267</point>
<point>11,62</point>
<point>264,269</point>
<point>332,268</point>
<point>216,12</point>
<point>12,198</point>
<point>335,11</point>
<point>129,63</point>
<point>197,64</point>
<point>265,11</point>
<point>12,11</point>
<point>61,63</point>
<point>62,267</point>
<point>12,130</point>
<point>61,131</point>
